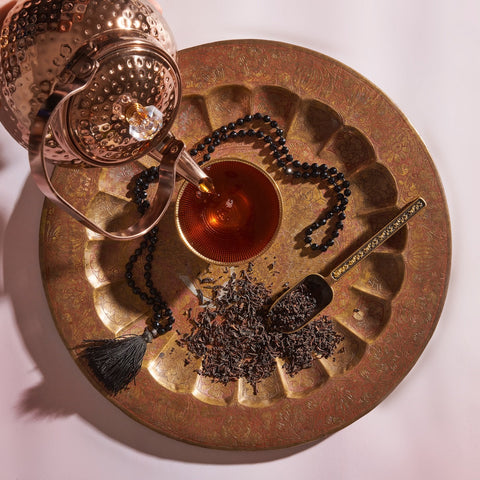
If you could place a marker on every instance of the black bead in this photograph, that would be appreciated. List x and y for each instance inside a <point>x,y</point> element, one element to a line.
<point>342,216</point>
<point>248,118</point>
<point>258,116</point>
<point>274,124</point>
<point>305,165</point>
<point>297,174</point>
<point>332,171</point>
<point>200,147</point>
<point>207,140</point>
<point>296,164</point>
<point>231,126</point>
<point>240,122</point>
<point>211,148</point>
<point>308,239</point>
<point>223,129</point>
<point>347,192</point>
<point>279,132</point>
<point>306,175</point>
<point>309,231</point>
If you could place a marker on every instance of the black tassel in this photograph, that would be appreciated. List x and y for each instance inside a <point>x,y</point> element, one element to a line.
<point>115,362</point>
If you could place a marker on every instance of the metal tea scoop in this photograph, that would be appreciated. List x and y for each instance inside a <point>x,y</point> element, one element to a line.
<point>320,288</point>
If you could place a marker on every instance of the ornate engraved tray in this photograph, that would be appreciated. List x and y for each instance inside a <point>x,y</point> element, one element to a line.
<point>386,309</point>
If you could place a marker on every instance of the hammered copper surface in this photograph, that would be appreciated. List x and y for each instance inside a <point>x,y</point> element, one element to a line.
<point>387,310</point>
<point>39,38</point>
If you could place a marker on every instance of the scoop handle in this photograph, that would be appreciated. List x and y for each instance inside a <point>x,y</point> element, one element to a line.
<point>380,237</point>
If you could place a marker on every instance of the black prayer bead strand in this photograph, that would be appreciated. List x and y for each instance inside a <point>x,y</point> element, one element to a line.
<point>277,143</point>
<point>147,177</point>
<point>162,319</point>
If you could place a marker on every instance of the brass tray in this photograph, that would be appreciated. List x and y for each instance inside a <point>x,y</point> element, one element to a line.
<point>387,309</point>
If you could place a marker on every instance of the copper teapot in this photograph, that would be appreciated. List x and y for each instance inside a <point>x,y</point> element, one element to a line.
<point>94,83</point>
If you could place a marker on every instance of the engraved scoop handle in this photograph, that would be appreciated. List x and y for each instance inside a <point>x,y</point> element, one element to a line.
<point>379,238</point>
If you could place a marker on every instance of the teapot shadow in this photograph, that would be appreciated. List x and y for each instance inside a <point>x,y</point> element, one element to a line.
<point>64,391</point>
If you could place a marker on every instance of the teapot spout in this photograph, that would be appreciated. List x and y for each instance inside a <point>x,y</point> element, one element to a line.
<point>190,171</point>
<point>173,151</point>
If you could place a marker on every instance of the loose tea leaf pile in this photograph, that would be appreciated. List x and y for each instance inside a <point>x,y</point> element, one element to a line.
<point>232,337</point>
<point>293,309</point>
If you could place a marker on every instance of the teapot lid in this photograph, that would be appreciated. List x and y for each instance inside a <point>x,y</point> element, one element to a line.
<point>129,72</point>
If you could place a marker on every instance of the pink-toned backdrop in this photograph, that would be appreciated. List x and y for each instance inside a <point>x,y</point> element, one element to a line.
<point>55,425</point>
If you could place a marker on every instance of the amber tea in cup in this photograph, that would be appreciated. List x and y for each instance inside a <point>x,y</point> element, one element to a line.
<point>238,221</point>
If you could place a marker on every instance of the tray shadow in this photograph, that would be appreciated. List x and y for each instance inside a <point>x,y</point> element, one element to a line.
<point>64,390</point>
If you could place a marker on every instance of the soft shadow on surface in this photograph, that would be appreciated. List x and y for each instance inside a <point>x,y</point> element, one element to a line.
<point>64,390</point>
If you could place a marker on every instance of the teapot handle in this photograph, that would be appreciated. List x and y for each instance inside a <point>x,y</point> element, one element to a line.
<point>75,79</point>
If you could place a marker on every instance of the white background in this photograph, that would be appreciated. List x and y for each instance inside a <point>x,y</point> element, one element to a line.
<point>424,55</point>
